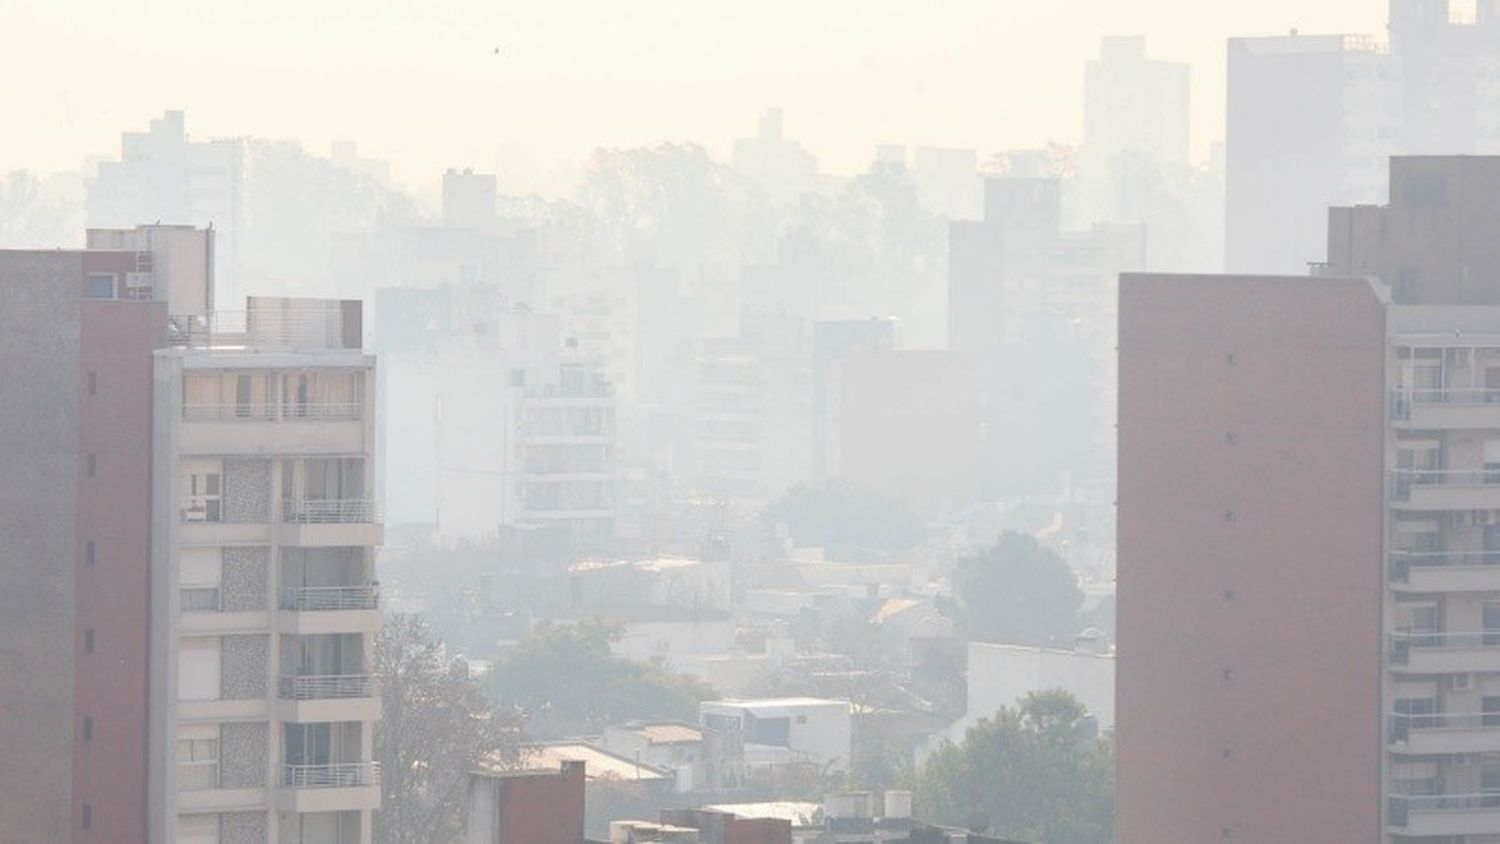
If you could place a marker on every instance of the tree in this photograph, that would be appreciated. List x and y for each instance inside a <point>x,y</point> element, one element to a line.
<point>848,521</point>
<point>1018,591</point>
<point>31,219</point>
<point>1037,772</point>
<point>436,726</point>
<point>565,681</point>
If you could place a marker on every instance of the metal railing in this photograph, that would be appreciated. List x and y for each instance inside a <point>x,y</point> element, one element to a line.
<point>320,598</point>
<point>197,776</point>
<point>1403,643</point>
<point>229,412</point>
<point>326,686</point>
<point>271,412</point>
<point>199,599</point>
<point>1403,723</point>
<point>322,410</point>
<point>311,326</point>
<point>342,775</point>
<point>1403,480</point>
<point>200,508</point>
<point>1399,806</point>
<point>332,511</point>
<point>1402,562</point>
<point>1402,401</point>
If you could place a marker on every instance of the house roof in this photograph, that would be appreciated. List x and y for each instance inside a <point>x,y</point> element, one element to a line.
<point>600,763</point>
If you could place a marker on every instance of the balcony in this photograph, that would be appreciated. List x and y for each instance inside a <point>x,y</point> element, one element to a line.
<point>201,522</point>
<point>331,598</point>
<point>327,686</point>
<point>340,787</point>
<point>1418,815</point>
<point>1445,653</point>
<point>1445,732</point>
<point>1445,489</point>
<point>1446,408</point>
<point>331,522</point>
<point>202,612</point>
<point>311,610</point>
<point>269,427</point>
<point>315,698</point>
<point>1445,571</point>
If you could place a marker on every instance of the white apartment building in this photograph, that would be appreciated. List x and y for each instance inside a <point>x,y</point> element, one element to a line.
<point>264,539</point>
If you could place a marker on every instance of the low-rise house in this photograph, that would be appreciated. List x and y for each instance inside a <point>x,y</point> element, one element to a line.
<point>778,733</point>
<point>698,758</point>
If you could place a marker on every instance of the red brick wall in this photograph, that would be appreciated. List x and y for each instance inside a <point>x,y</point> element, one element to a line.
<point>1250,520</point>
<point>113,595</point>
<point>543,809</point>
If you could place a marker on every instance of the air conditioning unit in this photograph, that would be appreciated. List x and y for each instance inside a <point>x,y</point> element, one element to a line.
<point>1460,682</point>
<point>138,279</point>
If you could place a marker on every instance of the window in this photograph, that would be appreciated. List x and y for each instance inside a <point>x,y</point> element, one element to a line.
<point>93,383</point>
<point>198,669</point>
<point>100,286</point>
<point>88,728</point>
<point>93,465</point>
<point>88,553</point>
<point>88,816</point>
<point>198,761</point>
<point>201,501</point>
<point>88,641</point>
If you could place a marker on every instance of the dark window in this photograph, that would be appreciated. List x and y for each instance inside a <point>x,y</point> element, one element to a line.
<point>93,465</point>
<point>88,552</point>
<point>88,728</point>
<point>93,383</point>
<point>100,286</point>
<point>88,641</point>
<point>88,816</point>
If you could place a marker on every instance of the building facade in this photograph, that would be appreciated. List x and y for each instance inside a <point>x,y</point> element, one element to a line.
<point>1331,530</point>
<point>266,526</point>
<point>188,553</point>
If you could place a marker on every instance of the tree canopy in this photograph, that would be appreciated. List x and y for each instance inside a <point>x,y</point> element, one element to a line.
<point>1018,591</point>
<point>1037,772</point>
<point>436,726</point>
<point>565,681</point>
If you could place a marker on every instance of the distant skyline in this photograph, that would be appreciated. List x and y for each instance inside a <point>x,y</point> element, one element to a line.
<point>420,85</point>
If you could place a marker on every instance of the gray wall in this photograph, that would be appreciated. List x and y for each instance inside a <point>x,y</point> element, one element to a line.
<point>40,326</point>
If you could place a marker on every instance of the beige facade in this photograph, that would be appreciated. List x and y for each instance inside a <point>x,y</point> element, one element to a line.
<point>266,531</point>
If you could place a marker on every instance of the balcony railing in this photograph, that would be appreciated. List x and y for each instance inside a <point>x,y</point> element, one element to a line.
<point>1399,806</point>
<point>332,511</point>
<point>343,775</point>
<point>1402,562</point>
<point>321,598</point>
<point>1402,401</point>
<point>327,686</point>
<point>1402,480</point>
<point>1403,643</point>
<point>200,508</point>
<point>1401,725</point>
<point>204,598</point>
<point>308,326</point>
<point>270,411</point>
<point>196,776</point>
<point>253,411</point>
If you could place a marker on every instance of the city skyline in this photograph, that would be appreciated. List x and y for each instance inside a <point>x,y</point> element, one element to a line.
<point>843,73</point>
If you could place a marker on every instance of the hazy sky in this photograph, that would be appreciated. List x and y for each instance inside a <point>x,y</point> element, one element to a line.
<point>419,84</point>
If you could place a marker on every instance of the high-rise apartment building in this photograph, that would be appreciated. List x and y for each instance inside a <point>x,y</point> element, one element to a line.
<point>1309,526</point>
<point>164,175</point>
<point>186,558</point>
<point>1134,106</point>
<point>1312,120</point>
<point>264,596</point>
<point>1307,128</point>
